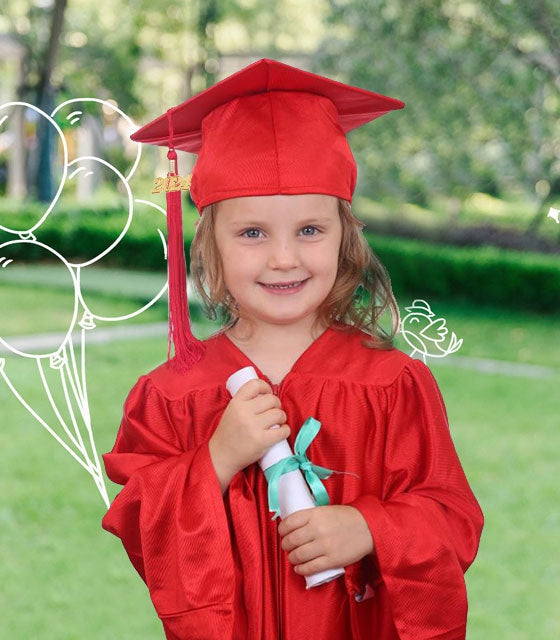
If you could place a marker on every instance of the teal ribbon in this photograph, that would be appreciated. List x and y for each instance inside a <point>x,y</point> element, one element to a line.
<point>299,459</point>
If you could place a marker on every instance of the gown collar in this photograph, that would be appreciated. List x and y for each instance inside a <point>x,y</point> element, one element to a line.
<point>318,342</point>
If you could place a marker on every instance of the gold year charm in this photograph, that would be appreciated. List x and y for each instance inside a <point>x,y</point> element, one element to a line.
<point>172,183</point>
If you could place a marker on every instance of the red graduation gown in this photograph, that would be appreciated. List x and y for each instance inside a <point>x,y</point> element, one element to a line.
<point>214,565</point>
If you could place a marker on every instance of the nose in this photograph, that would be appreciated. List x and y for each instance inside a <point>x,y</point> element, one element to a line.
<point>284,254</point>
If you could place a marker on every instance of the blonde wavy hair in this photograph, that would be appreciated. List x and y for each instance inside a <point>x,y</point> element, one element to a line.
<point>360,294</point>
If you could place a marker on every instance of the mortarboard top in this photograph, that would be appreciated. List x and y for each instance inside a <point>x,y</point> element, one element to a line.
<point>355,106</point>
<point>269,129</point>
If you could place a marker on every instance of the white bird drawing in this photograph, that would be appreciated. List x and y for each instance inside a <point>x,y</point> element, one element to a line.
<point>426,334</point>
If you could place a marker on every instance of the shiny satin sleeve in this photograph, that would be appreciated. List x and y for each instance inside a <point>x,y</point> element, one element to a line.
<point>426,526</point>
<point>170,517</point>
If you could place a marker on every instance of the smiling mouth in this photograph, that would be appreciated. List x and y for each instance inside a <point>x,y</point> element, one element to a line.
<point>288,285</point>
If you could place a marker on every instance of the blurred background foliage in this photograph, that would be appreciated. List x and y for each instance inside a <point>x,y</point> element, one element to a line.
<point>481,83</point>
<point>480,131</point>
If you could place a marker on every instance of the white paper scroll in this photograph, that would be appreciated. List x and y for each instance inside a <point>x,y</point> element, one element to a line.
<point>293,491</point>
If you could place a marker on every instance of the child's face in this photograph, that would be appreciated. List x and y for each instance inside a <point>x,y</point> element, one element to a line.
<point>279,239</point>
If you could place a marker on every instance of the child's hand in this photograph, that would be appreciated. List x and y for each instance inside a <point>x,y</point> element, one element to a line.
<point>325,538</point>
<point>243,434</point>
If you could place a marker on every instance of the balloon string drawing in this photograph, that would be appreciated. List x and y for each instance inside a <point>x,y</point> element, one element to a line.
<point>74,433</point>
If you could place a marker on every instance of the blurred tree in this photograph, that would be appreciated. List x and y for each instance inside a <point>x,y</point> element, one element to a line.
<point>61,61</point>
<point>480,81</point>
<point>480,78</point>
<point>148,55</point>
<point>45,101</point>
<point>38,28</point>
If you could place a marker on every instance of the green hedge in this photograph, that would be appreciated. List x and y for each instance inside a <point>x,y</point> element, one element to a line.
<point>489,275</point>
<point>486,274</point>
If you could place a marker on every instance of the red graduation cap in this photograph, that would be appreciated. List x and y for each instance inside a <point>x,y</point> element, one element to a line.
<point>268,129</point>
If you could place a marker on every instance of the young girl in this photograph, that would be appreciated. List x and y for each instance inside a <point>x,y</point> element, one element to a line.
<point>279,251</point>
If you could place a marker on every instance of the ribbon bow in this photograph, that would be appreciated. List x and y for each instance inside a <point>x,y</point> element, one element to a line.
<point>312,472</point>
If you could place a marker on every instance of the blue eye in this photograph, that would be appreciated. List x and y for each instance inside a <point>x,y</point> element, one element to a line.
<point>258,231</point>
<point>243,234</point>
<point>312,228</point>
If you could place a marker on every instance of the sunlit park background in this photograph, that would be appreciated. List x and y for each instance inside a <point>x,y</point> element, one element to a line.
<point>454,191</point>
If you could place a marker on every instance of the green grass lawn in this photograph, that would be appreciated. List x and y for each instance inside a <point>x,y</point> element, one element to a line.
<point>41,298</point>
<point>63,577</point>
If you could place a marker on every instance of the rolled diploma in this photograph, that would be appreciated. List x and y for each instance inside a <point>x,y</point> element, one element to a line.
<point>293,491</point>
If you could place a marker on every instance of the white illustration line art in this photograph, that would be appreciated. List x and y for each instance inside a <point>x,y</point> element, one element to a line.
<point>62,140</point>
<point>130,207</point>
<point>73,119</point>
<point>75,432</point>
<point>74,283</point>
<point>427,334</point>
<point>89,317</point>
<point>88,173</point>
<point>40,420</point>
<point>107,105</point>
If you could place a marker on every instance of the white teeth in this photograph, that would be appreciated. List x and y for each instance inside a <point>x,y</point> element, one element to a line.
<point>288,286</point>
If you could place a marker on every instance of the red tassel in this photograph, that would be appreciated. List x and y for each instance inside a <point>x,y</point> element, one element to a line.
<point>188,349</point>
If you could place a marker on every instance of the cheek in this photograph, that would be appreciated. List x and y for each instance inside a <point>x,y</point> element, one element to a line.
<point>239,264</point>
<point>325,260</point>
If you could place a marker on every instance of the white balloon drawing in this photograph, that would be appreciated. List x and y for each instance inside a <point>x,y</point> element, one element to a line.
<point>11,263</point>
<point>83,296</point>
<point>7,112</point>
<point>76,434</point>
<point>96,169</point>
<point>76,106</point>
